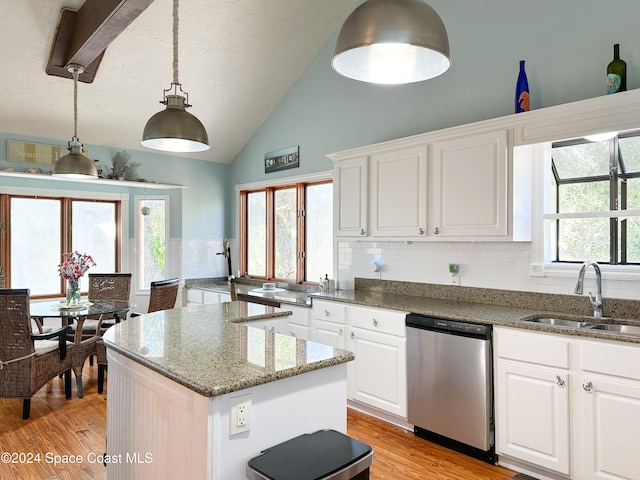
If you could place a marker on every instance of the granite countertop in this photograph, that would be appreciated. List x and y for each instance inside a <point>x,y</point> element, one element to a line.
<point>507,314</point>
<point>285,293</point>
<point>214,350</point>
<point>481,305</point>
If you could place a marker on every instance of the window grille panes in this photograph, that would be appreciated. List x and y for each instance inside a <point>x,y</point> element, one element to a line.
<point>633,194</point>
<point>630,154</point>
<point>594,201</point>
<point>319,244</point>
<point>631,228</point>
<point>285,234</point>
<point>580,161</point>
<point>35,257</point>
<point>256,234</point>
<point>584,197</point>
<point>584,238</point>
<point>153,241</point>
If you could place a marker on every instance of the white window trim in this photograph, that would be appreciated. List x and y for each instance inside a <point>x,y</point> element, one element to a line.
<point>138,238</point>
<point>540,265</point>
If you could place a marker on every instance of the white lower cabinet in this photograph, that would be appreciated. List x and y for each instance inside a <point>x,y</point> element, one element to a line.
<point>299,324</point>
<point>329,323</point>
<point>196,296</point>
<point>609,395</point>
<point>532,398</point>
<point>378,375</point>
<point>567,404</point>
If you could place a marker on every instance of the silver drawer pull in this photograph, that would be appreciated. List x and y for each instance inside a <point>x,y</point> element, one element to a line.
<point>362,232</point>
<point>353,335</point>
<point>560,381</point>
<point>292,334</point>
<point>375,322</point>
<point>340,332</point>
<point>588,387</point>
<point>327,313</point>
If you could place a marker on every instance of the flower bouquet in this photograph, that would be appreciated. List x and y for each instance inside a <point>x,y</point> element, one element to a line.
<point>73,267</point>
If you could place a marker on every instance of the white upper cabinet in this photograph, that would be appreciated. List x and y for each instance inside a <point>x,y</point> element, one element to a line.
<point>399,193</point>
<point>469,187</point>
<point>350,197</point>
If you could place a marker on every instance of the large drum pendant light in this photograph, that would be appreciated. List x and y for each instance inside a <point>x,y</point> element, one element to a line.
<point>392,42</point>
<point>74,164</point>
<point>174,129</point>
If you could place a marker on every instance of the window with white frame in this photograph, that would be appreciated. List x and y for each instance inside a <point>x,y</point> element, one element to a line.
<point>593,200</point>
<point>153,240</point>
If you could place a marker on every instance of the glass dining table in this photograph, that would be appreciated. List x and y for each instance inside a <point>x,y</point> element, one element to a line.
<point>113,310</point>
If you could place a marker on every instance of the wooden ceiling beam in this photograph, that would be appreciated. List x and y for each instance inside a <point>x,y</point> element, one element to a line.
<point>83,36</point>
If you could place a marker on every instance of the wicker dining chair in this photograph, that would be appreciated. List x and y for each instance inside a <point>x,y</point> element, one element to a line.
<point>29,361</point>
<point>105,286</point>
<point>162,297</point>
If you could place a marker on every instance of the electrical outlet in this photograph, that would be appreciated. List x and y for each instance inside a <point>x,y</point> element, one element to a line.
<point>240,414</point>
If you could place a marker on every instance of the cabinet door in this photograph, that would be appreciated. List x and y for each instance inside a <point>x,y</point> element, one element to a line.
<point>328,333</point>
<point>215,297</point>
<point>378,376</point>
<point>611,422</point>
<point>302,332</point>
<point>469,186</point>
<point>532,406</point>
<point>399,193</point>
<point>350,197</point>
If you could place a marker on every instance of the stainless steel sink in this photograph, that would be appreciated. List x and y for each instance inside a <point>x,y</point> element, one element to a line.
<point>617,328</point>
<point>560,322</point>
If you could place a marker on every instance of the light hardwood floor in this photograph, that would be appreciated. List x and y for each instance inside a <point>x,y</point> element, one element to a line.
<point>77,427</point>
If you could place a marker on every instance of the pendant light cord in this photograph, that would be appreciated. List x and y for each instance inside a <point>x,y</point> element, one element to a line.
<point>75,102</point>
<point>175,42</point>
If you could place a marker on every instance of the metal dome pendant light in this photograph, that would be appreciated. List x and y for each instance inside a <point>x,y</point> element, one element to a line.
<point>74,164</point>
<point>392,42</point>
<point>174,129</point>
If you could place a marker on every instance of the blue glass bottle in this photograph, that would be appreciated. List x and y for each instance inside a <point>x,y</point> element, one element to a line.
<point>522,90</point>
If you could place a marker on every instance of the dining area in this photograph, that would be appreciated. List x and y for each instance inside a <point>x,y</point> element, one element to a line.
<point>47,340</point>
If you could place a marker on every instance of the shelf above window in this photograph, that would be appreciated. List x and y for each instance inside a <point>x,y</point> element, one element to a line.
<point>99,181</point>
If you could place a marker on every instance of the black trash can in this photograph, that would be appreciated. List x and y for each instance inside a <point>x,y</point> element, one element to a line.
<point>323,455</point>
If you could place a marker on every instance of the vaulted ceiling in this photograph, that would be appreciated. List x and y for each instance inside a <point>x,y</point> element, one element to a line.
<point>237,60</point>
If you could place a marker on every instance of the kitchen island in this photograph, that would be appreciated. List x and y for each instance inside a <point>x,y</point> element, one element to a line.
<point>176,376</point>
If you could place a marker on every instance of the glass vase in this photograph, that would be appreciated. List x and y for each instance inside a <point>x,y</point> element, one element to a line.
<point>73,292</point>
<point>522,90</point>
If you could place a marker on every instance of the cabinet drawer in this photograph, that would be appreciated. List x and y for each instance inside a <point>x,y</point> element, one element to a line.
<point>533,348</point>
<point>379,320</point>
<point>611,359</point>
<point>194,295</point>
<point>329,311</point>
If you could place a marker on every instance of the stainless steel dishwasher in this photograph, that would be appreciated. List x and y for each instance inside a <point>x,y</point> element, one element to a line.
<point>450,384</point>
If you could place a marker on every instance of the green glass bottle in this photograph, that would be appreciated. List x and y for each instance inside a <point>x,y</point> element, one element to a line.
<point>616,72</point>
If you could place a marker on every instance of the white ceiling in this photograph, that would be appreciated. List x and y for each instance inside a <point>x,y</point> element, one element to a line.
<point>237,59</point>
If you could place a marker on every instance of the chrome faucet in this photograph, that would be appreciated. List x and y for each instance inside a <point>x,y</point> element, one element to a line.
<point>596,302</point>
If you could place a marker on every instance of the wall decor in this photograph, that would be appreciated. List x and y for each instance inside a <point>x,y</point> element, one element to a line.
<point>282,159</point>
<point>35,152</point>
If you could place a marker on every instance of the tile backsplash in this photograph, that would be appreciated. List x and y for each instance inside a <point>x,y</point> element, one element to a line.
<point>500,265</point>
